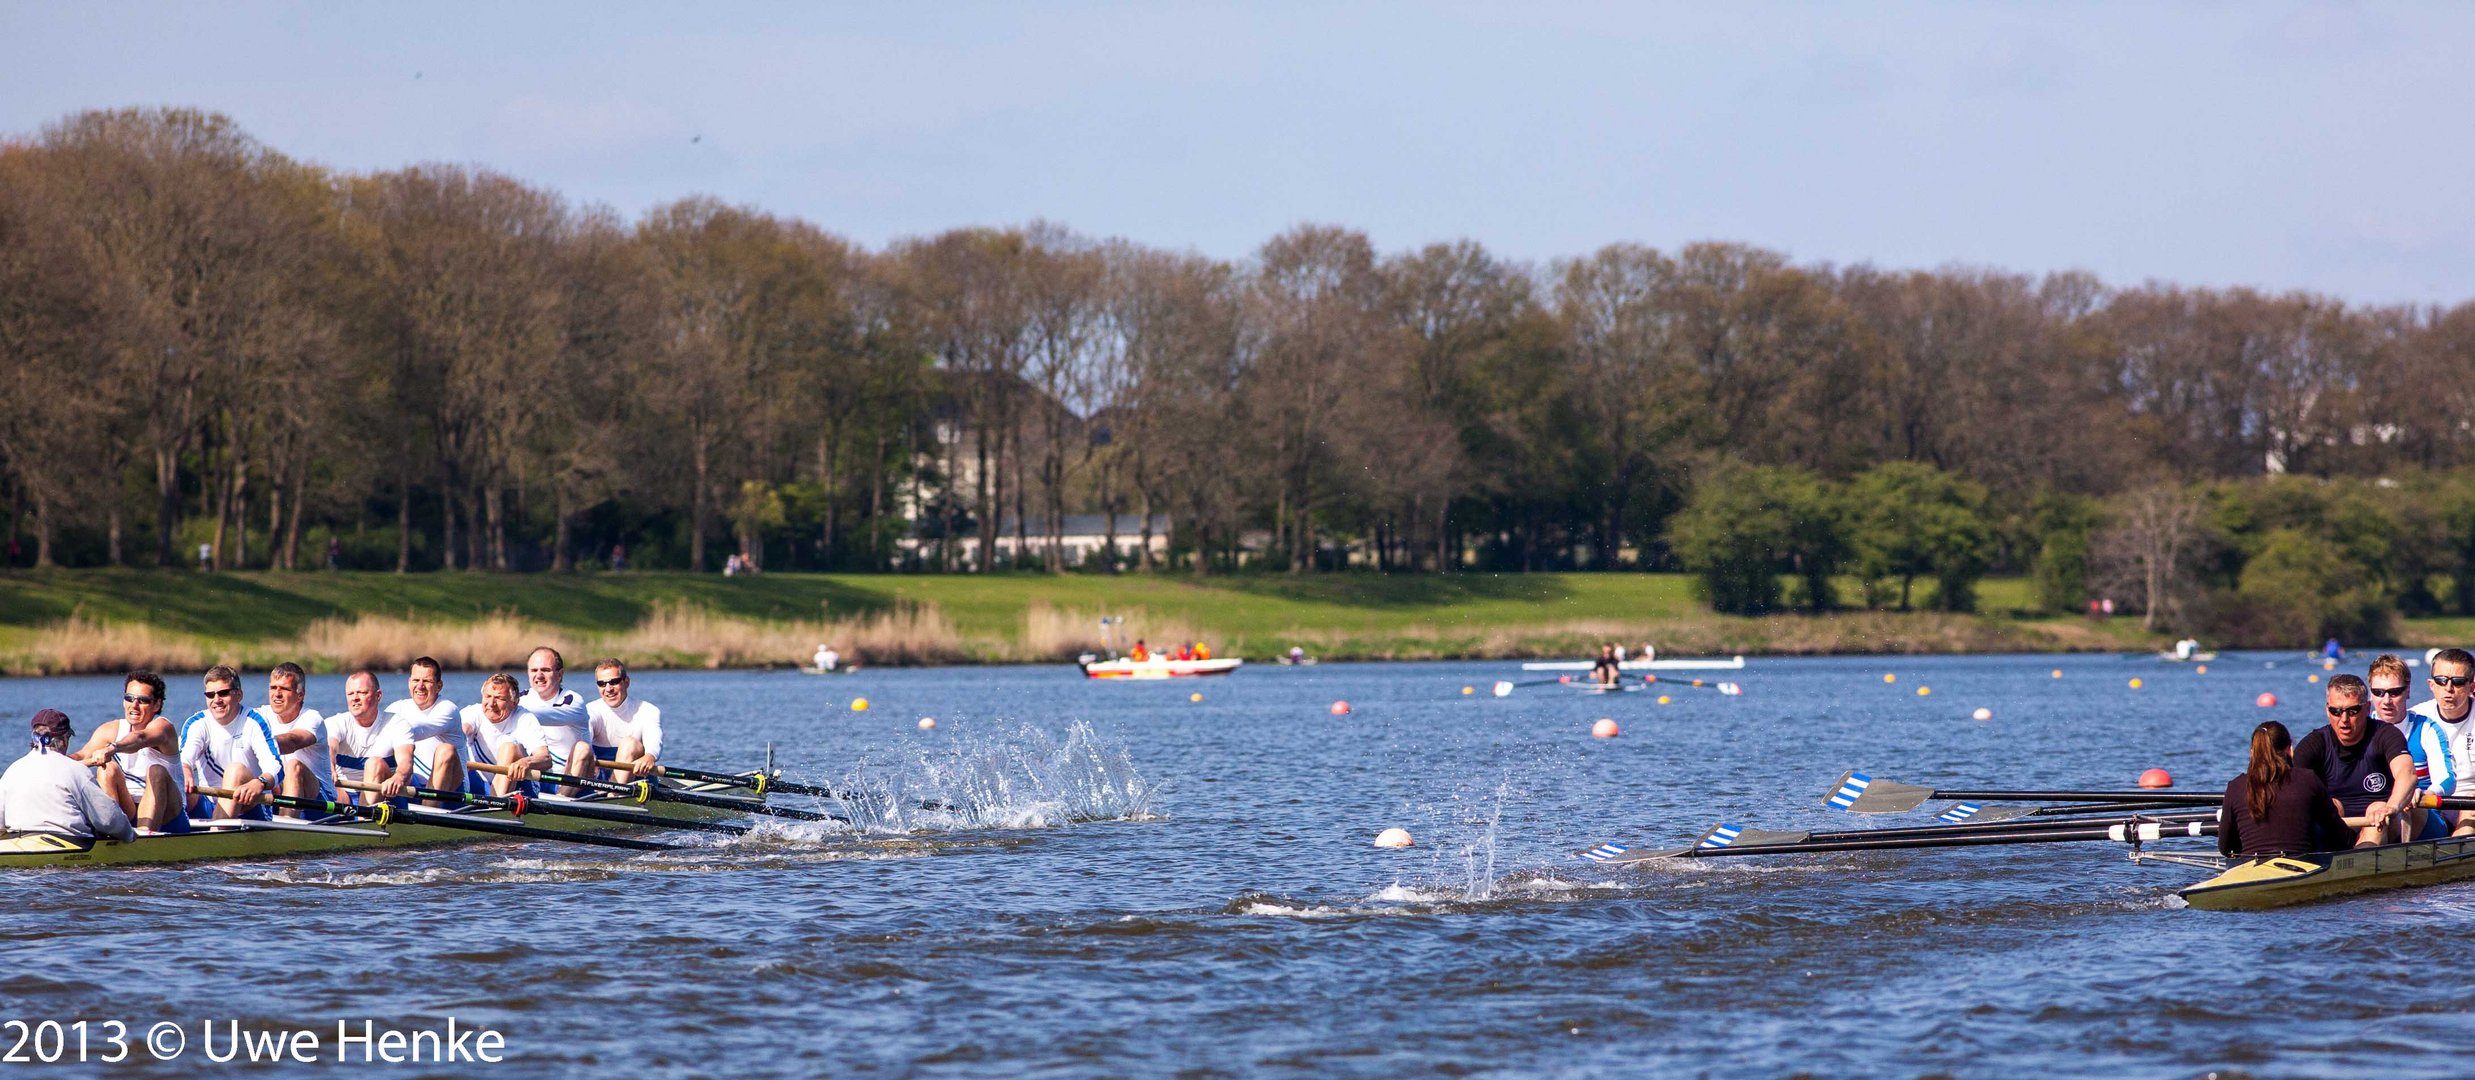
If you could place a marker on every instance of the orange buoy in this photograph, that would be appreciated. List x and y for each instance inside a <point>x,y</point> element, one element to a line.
<point>1604,729</point>
<point>2156,778</point>
<point>2266,700</point>
<point>1340,708</point>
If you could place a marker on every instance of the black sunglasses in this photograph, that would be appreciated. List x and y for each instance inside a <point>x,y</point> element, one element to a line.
<point>136,699</point>
<point>2388,691</point>
<point>610,682</point>
<point>213,694</point>
<point>2452,681</point>
<point>2345,710</point>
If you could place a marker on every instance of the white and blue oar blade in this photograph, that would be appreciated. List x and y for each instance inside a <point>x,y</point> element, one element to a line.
<point>1724,835</point>
<point>1978,813</point>
<point>1858,793</point>
<point>1615,854</point>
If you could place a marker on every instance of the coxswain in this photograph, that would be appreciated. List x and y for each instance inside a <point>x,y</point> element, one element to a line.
<point>424,736</point>
<point>48,791</point>
<point>497,732</point>
<point>301,734</point>
<point>2441,738</point>
<point>563,715</point>
<point>353,738</point>
<point>1608,671</point>
<point>226,746</point>
<point>2362,763</point>
<point>626,730</point>
<point>2277,809</point>
<point>137,758</point>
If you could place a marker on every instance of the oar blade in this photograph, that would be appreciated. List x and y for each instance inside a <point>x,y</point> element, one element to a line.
<point>1974,813</point>
<point>1614,854</point>
<point>1858,793</point>
<point>1730,835</point>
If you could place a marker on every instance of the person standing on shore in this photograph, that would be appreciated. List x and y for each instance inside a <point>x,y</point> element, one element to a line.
<point>48,791</point>
<point>626,731</point>
<point>137,758</point>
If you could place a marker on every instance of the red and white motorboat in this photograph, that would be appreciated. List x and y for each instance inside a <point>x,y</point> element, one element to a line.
<point>1156,668</point>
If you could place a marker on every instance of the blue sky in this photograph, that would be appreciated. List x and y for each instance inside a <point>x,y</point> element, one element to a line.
<point>2323,147</point>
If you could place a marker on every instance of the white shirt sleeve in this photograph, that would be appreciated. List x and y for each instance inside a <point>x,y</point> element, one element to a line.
<point>649,728</point>
<point>103,815</point>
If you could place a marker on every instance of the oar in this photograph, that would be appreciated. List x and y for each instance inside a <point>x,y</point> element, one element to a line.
<point>520,805</point>
<point>1980,813</point>
<point>1728,689</point>
<point>643,790</point>
<point>412,816</point>
<point>2121,832</point>
<point>761,783</point>
<point>1732,835</point>
<point>1862,794</point>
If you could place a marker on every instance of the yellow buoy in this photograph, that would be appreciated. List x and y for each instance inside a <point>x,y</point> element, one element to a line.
<point>1468,690</point>
<point>1196,696</point>
<point>859,704</point>
<point>2135,684</point>
<point>1890,678</point>
<point>2058,673</point>
<point>2311,678</point>
<point>1923,691</point>
<point>1663,699</point>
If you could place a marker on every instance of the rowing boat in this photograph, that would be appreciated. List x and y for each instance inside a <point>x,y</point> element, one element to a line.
<point>2255,884</point>
<point>1735,663</point>
<point>246,839</point>
<point>1158,669</point>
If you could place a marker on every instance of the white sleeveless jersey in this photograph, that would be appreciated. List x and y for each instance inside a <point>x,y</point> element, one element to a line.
<point>503,741</point>
<point>564,720</point>
<point>214,751</point>
<point>637,720</point>
<point>319,759</point>
<point>136,765</point>
<point>354,745</point>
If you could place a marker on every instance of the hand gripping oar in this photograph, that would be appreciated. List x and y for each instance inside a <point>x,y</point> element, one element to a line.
<point>519,805</point>
<point>762,783</point>
<point>2130,832</point>
<point>384,815</point>
<point>647,790</point>
<point>1862,794</point>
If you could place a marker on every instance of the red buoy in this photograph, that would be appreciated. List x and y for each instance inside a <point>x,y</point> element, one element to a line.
<point>2266,700</point>
<point>2156,778</point>
<point>1340,708</point>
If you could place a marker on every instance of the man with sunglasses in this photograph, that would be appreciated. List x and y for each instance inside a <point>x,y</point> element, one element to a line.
<point>226,746</point>
<point>2362,764</point>
<point>626,731</point>
<point>301,734</point>
<point>137,758</point>
<point>2390,686</point>
<point>2441,738</point>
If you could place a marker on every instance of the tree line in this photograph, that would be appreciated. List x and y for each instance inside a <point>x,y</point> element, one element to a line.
<point>207,341</point>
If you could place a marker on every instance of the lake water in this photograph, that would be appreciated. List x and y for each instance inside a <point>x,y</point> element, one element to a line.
<point>1139,884</point>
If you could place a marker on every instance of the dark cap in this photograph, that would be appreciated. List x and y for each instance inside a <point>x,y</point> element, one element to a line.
<point>52,724</point>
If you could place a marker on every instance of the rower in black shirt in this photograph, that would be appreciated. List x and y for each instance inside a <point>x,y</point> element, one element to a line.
<point>1607,671</point>
<point>2277,809</point>
<point>2363,764</point>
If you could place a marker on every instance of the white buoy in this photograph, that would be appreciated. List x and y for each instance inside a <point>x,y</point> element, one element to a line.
<point>1395,837</point>
<point>1503,689</point>
<point>1982,713</point>
<point>928,723</point>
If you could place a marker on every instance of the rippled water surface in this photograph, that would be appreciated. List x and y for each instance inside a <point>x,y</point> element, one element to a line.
<point>1132,883</point>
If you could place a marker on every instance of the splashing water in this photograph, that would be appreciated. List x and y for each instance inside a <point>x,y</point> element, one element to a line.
<point>1018,779</point>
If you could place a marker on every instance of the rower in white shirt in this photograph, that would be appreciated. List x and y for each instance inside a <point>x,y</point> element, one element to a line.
<point>226,746</point>
<point>47,791</point>
<point>137,758</point>
<point>301,734</point>
<point>424,736</point>
<point>499,733</point>
<point>564,716</point>
<point>354,738</point>
<point>625,730</point>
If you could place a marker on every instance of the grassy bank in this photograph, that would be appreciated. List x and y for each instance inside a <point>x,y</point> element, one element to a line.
<point>109,620</point>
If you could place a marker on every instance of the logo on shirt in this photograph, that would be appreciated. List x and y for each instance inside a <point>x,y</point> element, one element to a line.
<point>2375,782</point>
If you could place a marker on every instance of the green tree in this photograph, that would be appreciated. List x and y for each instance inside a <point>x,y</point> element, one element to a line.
<point>2301,588</point>
<point>1909,520</point>
<point>2063,524</point>
<point>1746,525</point>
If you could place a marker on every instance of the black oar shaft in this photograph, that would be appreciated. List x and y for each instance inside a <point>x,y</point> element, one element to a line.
<point>651,790</point>
<point>762,784</point>
<point>564,808</point>
<point>2134,798</point>
<point>413,816</point>
<point>2200,828</point>
<point>2023,827</point>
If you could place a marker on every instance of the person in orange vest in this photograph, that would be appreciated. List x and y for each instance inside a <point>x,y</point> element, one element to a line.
<point>1202,651</point>
<point>1140,652</point>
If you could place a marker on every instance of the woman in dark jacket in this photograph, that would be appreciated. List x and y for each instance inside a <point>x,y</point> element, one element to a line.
<point>2277,809</point>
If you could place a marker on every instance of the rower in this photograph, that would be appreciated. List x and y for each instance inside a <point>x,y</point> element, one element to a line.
<point>827,659</point>
<point>353,739</point>
<point>137,758</point>
<point>301,734</point>
<point>2275,808</point>
<point>499,733</point>
<point>2363,764</point>
<point>48,791</point>
<point>2388,679</point>
<point>1607,671</point>
<point>563,715</point>
<point>423,736</point>
<point>625,730</point>
<point>226,746</point>
<point>2442,741</point>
